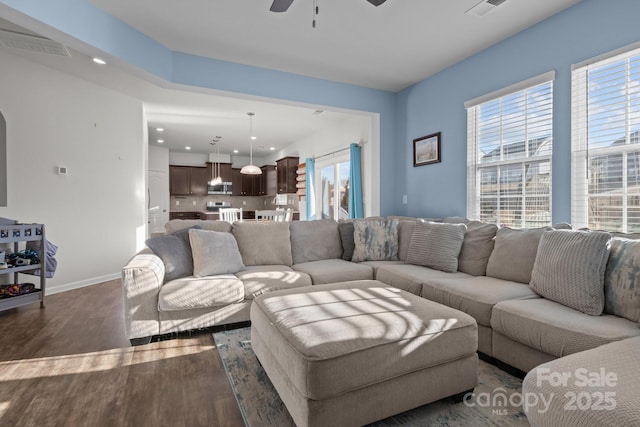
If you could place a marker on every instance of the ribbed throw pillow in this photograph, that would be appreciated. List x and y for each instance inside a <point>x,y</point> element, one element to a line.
<point>436,245</point>
<point>569,269</point>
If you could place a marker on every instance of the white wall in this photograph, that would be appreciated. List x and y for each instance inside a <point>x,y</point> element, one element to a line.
<point>96,213</point>
<point>354,129</point>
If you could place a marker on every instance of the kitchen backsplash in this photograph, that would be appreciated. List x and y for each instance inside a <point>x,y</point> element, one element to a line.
<point>250,203</point>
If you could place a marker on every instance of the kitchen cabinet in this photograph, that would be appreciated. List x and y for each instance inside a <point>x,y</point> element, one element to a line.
<point>236,182</point>
<point>225,171</point>
<point>188,180</point>
<point>286,174</point>
<point>184,215</point>
<point>268,181</point>
<point>250,185</point>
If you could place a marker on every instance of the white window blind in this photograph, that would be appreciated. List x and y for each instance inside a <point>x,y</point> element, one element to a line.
<point>509,148</point>
<point>605,144</point>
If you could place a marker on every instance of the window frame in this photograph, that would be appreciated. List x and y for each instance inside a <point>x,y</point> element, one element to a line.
<point>475,166</point>
<point>581,152</point>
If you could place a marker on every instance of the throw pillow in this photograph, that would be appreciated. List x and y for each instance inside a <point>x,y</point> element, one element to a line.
<point>346,230</point>
<point>476,248</point>
<point>375,240</point>
<point>436,245</point>
<point>622,279</point>
<point>214,253</point>
<point>514,253</point>
<point>175,252</point>
<point>405,232</point>
<point>569,269</point>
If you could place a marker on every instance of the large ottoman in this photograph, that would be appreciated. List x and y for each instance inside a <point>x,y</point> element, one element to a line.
<point>350,353</point>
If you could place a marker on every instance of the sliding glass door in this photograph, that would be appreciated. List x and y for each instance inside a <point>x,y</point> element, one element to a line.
<point>333,188</point>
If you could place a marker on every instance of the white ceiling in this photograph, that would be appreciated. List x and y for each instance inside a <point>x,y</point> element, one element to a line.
<point>388,47</point>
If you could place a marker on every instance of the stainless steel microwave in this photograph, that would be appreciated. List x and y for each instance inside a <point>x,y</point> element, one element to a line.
<point>222,188</point>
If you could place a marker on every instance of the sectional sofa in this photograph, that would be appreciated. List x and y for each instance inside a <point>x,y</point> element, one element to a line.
<point>537,295</point>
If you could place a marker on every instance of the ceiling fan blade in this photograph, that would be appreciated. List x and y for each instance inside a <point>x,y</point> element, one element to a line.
<point>376,2</point>
<point>281,5</point>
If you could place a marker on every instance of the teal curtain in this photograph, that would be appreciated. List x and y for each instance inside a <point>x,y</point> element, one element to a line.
<point>311,194</point>
<point>355,182</point>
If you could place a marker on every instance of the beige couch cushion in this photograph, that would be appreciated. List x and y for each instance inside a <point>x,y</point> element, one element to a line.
<point>179,224</point>
<point>618,400</point>
<point>514,254</point>
<point>556,329</point>
<point>260,279</point>
<point>410,277</point>
<point>475,296</point>
<point>334,270</point>
<point>569,269</point>
<point>315,240</point>
<point>195,292</point>
<point>263,243</point>
<point>341,337</point>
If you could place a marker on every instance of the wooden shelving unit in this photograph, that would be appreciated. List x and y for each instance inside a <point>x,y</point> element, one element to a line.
<point>13,233</point>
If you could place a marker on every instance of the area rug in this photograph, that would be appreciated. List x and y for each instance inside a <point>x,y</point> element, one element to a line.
<point>495,402</point>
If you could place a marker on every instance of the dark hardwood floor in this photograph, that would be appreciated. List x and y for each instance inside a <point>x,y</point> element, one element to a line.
<point>70,364</point>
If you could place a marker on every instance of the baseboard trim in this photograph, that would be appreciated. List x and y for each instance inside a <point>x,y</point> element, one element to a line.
<point>81,284</point>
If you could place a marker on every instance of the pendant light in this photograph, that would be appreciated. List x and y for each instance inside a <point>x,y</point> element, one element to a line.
<point>216,178</point>
<point>251,169</point>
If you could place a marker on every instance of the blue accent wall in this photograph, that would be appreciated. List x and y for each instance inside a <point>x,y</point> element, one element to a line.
<point>588,29</point>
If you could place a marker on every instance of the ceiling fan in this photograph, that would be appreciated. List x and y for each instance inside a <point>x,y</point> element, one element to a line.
<point>283,5</point>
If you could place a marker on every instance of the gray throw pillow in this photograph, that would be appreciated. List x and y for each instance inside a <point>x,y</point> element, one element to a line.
<point>436,245</point>
<point>514,253</point>
<point>214,253</point>
<point>375,240</point>
<point>346,230</point>
<point>175,252</point>
<point>476,248</point>
<point>622,279</point>
<point>405,232</point>
<point>569,269</point>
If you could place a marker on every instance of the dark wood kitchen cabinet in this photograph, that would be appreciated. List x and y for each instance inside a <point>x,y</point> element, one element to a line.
<point>236,182</point>
<point>188,180</point>
<point>226,173</point>
<point>286,174</point>
<point>268,181</point>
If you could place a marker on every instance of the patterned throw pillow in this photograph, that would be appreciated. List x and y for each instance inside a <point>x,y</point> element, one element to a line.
<point>436,245</point>
<point>622,279</point>
<point>569,269</point>
<point>375,240</point>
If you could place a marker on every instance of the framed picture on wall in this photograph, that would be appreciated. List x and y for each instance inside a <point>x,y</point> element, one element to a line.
<point>426,150</point>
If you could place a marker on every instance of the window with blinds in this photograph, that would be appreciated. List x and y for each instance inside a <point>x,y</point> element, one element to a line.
<point>605,143</point>
<point>509,140</point>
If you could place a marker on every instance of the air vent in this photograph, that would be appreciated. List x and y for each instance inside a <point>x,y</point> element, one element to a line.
<point>32,43</point>
<point>484,7</point>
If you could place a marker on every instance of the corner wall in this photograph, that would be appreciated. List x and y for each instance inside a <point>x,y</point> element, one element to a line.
<point>589,28</point>
<point>95,214</point>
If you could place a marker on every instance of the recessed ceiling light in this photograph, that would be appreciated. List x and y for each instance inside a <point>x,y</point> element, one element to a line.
<point>99,61</point>
<point>160,141</point>
<point>160,129</point>
<point>236,151</point>
<point>187,148</point>
<point>272,148</point>
<point>253,138</point>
